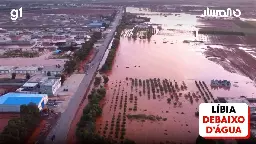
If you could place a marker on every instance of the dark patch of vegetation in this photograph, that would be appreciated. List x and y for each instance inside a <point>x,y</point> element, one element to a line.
<point>28,76</point>
<point>145,117</point>
<point>97,81</point>
<point>79,55</point>
<point>106,79</point>
<point>20,53</point>
<point>20,129</point>
<point>13,75</point>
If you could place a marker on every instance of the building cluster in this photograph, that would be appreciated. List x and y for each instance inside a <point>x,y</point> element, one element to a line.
<point>47,36</point>
<point>41,85</point>
<point>48,31</point>
<point>221,83</point>
<point>46,70</point>
<point>36,90</point>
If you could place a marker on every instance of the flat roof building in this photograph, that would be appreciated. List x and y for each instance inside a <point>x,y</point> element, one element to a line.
<point>50,86</point>
<point>37,79</point>
<point>27,69</point>
<point>11,102</point>
<point>6,69</point>
<point>53,70</point>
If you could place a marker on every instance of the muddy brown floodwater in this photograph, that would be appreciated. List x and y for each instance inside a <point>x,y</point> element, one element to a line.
<point>148,74</point>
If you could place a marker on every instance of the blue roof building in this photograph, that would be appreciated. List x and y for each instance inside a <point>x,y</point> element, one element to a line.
<point>11,102</point>
<point>95,24</point>
<point>57,51</point>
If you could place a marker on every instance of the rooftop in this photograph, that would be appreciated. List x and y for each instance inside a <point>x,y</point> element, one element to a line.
<point>6,68</point>
<point>95,24</point>
<point>25,68</point>
<point>37,79</point>
<point>21,98</point>
<point>53,68</point>
<point>28,84</point>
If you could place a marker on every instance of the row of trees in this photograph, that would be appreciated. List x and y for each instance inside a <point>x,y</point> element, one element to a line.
<point>79,55</point>
<point>86,126</point>
<point>111,55</point>
<point>19,129</point>
<point>85,131</point>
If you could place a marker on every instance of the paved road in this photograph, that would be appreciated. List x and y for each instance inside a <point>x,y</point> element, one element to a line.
<point>60,130</point>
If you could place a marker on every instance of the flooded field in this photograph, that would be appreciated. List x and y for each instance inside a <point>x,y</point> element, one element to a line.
<point>156,85</point>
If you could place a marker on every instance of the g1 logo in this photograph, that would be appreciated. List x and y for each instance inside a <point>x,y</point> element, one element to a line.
<point>16,13</point>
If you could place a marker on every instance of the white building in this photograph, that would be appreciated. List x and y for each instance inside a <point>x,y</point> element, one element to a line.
<point>6,69</point>
<point>11,102</point>
<point>50,86</point>
<point>29,88</point>
<point>26,69</point>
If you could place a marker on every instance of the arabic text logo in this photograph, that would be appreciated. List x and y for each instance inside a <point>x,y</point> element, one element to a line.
<point>221,13</point>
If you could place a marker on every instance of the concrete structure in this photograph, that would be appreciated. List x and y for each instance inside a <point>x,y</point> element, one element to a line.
<point>95,24</point>
<point>56,69</point>
<point>50,86</point>
<point>26,69</point>
<point>11,102</point>
<point>6,69</point>
<point>40,84</point>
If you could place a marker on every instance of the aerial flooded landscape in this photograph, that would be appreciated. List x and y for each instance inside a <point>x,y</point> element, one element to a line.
<point>122,72</point>
<point>156,84</point>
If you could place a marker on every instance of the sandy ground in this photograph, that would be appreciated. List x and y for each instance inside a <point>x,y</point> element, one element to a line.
<point>38,61</point>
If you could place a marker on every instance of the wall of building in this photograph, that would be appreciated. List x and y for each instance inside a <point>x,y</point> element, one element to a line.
<point>9,108</point>
<point>52,72</point>
<point>25,71</point>
<point>16,108</point>
<point>56,86</point>
<point>44,100</point>
<point>5,71</point>
<point>50,90</point>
